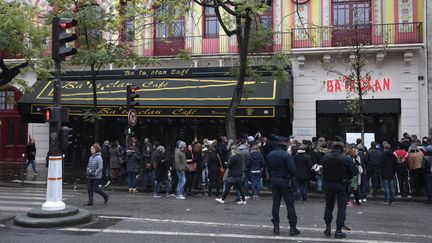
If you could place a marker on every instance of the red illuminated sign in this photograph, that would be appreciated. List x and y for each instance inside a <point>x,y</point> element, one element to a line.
<point>376,85</point>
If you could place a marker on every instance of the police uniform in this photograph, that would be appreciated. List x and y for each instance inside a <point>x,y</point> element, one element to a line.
<point>281,168</point>
<point>338,168</point>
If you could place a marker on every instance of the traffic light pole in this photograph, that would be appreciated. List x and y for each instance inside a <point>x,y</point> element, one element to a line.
<point>55,126</point>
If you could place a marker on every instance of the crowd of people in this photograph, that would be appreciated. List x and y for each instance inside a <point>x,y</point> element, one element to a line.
<point>401,171</point>
<point>288,167</point>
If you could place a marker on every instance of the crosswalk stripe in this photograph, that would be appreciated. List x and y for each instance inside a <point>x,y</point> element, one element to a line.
<point>16,209</point>
<point>21,203</point>
<point>22,197</point>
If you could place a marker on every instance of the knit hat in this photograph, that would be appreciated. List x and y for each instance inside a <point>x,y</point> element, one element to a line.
<point>250,139</point>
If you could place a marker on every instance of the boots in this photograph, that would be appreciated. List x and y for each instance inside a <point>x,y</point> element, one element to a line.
<point>339,234</point>
<point>275,229</point>
<point>327,231</point>
<point>294,231</point>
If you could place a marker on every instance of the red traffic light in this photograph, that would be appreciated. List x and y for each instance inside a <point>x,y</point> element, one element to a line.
<point>67,23</point>
<point>47,114</point>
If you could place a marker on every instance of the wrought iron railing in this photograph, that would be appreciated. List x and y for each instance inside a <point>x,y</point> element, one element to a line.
<point>220,45</point>
<point>349,35</point>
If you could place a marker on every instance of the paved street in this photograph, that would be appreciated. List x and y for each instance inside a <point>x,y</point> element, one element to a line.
<point>142,218</point>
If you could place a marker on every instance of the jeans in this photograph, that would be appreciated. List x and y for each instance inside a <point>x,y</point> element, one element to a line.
<point>158,186</point>
<point>233,181</point>
<point>246,182</point>
<point>319,185</point>
<point>402,180</point>
<point>148,178</point>
<point>388,190</point>
<point>204,175</point>
<point>33,164</point>
<point>335,191</point>
<point>301,186</point>
<point>181,182</point>
<point>131,178</point>
<point>256,183</point>
<point>281,188</point>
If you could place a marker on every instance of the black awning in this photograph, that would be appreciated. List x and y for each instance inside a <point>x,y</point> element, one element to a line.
<point>184,92</point>
<point>371,106</point>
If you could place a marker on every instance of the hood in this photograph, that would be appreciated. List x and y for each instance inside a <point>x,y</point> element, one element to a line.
<point>243,147</point>
<point>130,152</point>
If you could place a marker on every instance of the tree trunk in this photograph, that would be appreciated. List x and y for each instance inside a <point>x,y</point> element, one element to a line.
<point>96,121</point>
<point>243,45</point>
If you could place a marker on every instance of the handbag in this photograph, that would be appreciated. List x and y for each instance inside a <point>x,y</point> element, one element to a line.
<point>221,168</point>
<point>191,166</point>
<point>90,173</point>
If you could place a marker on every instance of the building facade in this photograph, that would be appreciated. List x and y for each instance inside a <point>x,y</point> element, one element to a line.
<point>388,36</point>
<point>318,35</point>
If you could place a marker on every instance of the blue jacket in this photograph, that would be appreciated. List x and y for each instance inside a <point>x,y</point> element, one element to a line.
<point>280,163</point>
<point>256,160</point>
<point>95,163</point>
<point>374,158</point>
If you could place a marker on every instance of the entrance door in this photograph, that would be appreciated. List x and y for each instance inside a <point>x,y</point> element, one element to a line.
<point>351,21</point>
<point>13,132</point>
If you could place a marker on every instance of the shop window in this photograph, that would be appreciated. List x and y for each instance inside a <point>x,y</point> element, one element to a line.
<point>211,27</point>
<point>10,137</point>
<point>7,100</point>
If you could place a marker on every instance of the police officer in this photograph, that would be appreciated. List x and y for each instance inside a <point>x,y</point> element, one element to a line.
<point>281,168</point>
<point>338,169</point>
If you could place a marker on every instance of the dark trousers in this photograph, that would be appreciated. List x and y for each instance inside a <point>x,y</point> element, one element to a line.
<point>93,186</point>
<point>281,187</point>
<point>333,192</point>
<point>372,172</point>
<point>429,186</point>
<point>190,178</point>
<point>104,178</point>
<point>402,180</point>
<point>418,177</point>
<point>237,183</point>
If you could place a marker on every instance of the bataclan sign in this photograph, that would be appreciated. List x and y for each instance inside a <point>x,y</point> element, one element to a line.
<point>377,85</point>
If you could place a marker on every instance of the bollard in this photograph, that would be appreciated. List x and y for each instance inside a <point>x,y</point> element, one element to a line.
<point>54,185</point>
<point>24,161</point>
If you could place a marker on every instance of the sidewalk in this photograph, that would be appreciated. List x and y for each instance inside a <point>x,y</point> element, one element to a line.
<point>10,176</point>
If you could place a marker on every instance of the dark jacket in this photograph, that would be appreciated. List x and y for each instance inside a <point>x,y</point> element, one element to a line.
<point>280,163</point>
<point>373,158</point>
<point>338,167</point>
<point>303,164</point>
<point>132,161</point>
<point>256,161</point>
<point>30,151</point>
<point>160,166</point>
<point>213,166</point>
<point>388,165</point>
<point>428,164</point>
<point>235,166</point>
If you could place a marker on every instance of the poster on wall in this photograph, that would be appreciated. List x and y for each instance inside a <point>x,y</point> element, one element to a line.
<point>351,137</point>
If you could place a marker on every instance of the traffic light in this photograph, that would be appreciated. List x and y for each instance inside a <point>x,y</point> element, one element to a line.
<point>48,114</point>
<point>131,95</point>
<point>66,137</point>
<point>60,37</point>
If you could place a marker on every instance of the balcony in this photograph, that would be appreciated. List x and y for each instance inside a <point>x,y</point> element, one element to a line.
<point>220,45</point>
<point>370,34</point>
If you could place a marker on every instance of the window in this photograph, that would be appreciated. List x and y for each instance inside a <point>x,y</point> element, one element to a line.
<point>129,21</point>
<point>7,100</point>
<point>351,12</point>
<point>211,27</point>
<point>267,18</point>
<point>174,29</point>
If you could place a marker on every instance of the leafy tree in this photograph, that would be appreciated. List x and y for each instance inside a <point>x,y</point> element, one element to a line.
<point>100,43</point>
<point>23,39</point>
<point>242,19</point>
